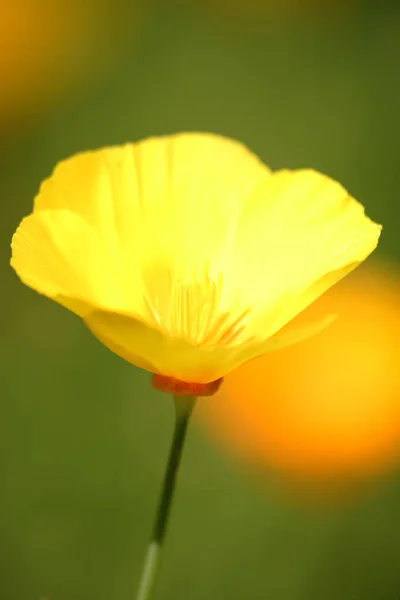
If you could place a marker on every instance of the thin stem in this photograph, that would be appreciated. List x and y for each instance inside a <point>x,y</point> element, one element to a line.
<point>183,409</point>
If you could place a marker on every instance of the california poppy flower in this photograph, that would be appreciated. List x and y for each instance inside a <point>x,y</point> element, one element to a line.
<point>185,254</point>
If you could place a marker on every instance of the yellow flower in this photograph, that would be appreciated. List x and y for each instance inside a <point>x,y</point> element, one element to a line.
<point>185,254</point>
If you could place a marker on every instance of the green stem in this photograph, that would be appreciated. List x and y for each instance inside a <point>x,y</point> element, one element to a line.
<point>183,409</point>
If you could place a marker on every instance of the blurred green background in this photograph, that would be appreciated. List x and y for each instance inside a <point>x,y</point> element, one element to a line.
<point>83,436</point>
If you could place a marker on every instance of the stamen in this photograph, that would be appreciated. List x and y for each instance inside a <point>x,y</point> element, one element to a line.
<point>192,310</point>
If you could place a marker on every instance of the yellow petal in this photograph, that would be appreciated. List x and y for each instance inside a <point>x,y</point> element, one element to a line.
<point>163,205</point>
<point>149,349</point>
<point>162,202</point>
<point>299,233</point>
<point>59,254</point>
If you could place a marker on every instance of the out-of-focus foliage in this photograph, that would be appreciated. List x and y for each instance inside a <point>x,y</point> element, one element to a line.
<point>83,436</point>
<point>256,13</point>
<point>47,46</point>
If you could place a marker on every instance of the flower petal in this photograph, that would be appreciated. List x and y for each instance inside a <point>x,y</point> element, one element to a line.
<point>286,337</point>
<point>163,204</point>
<point>299,234</point>
<point>153,351</point>
<point>58,254</point>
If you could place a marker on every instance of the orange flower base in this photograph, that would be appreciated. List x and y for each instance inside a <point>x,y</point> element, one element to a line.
<point>170,385</point>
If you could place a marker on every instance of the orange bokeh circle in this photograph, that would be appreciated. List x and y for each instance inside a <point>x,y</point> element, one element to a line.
<point>48,48</point>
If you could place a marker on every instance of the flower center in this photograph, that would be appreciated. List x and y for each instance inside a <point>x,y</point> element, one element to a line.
<point>170,385</point>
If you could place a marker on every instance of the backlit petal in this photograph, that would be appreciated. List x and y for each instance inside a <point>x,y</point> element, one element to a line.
<point>149,349</point>
<point>60,255</point>
<point>165,205</point>
<point>299,234</point>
